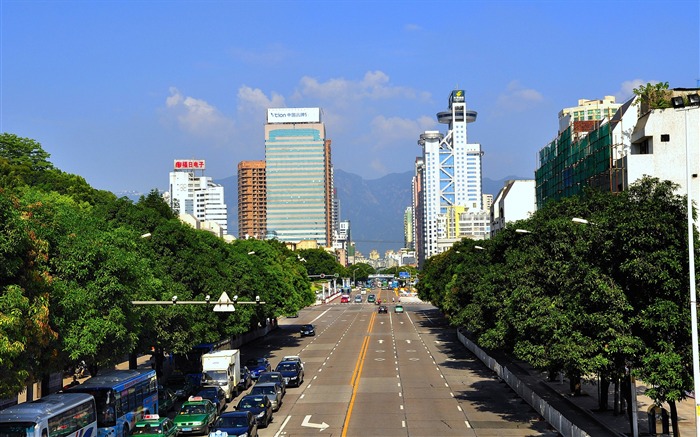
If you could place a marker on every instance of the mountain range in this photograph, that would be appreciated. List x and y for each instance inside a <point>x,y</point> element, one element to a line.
<point>375,207</point>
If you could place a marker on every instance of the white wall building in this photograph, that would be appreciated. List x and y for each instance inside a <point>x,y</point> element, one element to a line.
<point>515,201</point>
<point>451,173</point>
<point>195,195</point>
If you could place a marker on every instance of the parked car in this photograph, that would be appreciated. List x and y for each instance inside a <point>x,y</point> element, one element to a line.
<point>382,309</point>
<point>273,377</point>
<point>292,372</point>
<point>258,366</point>
<point>215,394</point>
<point>270,389</point>
<point>196,416</point>
<point>398,309</point>
<point>245,380</point>
<point>259,405</point>
<point>236,423</point>
<point>166,400</point>
<point>307,330</point>
<point>152,425</point>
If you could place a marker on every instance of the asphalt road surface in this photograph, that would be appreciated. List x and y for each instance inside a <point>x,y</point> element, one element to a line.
<point>370,374</point>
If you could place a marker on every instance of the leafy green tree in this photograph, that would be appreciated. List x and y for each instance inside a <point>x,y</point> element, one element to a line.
<point>27,340</point>
<point>654,95</point>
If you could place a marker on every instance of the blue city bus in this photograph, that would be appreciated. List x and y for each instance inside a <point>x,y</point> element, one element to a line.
<point>55,415</point>
<point>122,398</point>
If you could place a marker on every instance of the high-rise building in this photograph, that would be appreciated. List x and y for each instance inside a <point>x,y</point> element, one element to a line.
<point>451,175</point>
<point>252,220</point>
<point>299,176</point>
<point>197,196</point>
<point>408,228</point>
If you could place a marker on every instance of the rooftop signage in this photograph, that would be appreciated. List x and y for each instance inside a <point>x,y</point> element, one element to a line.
<point>294,115</point>
<point>189,164</point>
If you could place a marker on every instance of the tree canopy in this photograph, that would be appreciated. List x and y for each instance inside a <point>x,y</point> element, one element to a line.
<point>73,259</point>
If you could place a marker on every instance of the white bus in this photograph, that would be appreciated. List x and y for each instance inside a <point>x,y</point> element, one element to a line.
<point>55,415</point>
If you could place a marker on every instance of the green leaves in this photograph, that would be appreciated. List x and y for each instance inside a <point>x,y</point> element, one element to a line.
<point>580,298</point>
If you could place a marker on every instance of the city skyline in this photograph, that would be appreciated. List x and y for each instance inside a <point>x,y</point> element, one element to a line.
<point>108,86</point>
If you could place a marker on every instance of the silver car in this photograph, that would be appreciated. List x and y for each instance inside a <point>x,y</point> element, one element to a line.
<point>270,389</point>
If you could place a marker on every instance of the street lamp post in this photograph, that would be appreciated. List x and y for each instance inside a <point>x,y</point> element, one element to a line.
<point>678,103</point>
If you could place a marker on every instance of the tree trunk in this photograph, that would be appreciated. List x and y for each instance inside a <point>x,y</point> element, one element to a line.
<point>133,363</point>
<point>575,385</point>
<point>603,403</point>
<point>674,419</point>
<point>616,398</point>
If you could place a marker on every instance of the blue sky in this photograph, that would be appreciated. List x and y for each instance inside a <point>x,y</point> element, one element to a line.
<point>116,90</point>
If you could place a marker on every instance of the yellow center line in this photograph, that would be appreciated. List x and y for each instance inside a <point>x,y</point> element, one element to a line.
<point>355,381</point>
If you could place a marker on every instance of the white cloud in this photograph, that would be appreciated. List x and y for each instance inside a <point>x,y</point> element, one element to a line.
<point>517,98</point>
<point>627,89</point>
<point>388,131</point>
<point>375,85</point>
<point>197,117</point>
<point>412,27</point>
<point>254,100</point>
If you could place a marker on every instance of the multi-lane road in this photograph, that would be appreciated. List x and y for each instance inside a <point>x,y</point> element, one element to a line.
<point>370,374</point>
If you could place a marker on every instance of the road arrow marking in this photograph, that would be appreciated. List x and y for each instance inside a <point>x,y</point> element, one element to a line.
<point>320,426</point>
<point>381,341</point>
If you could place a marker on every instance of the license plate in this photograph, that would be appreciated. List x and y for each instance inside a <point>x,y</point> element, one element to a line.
<point>187,429</point>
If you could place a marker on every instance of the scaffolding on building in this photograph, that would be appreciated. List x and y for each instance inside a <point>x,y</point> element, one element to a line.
<point>582,155</point>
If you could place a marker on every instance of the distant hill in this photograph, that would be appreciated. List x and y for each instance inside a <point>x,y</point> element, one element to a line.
<point>375,207</point>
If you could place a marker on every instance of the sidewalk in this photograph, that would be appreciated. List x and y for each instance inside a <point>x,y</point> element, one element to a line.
<point>583,410</point>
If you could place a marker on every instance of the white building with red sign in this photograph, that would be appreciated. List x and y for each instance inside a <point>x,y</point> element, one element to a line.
<point>195,194</point>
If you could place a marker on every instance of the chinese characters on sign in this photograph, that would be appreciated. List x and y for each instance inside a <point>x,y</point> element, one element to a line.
<point>294,115</point>
<point>189,164</point>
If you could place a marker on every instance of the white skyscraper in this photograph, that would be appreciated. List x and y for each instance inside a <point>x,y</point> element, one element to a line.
<point>195,195</point>
<point>451,174</point>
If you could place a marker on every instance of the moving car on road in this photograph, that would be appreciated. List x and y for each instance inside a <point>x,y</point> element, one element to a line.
<point>259,405</point>
<point>270,389</point>
<point>235,423</point>
<point>358,298</point>
<point>292,372</point>
<point>371,298</point>
<point>258,366</point>
<point>273,377</point>
<point>382,309</point>
<point>245,380</point>
<point>398,309</point>
<point>215,394</point>
<point>344,299</point>
<point>153,425</point>
<point>307,330</point>
<point>196,416</point>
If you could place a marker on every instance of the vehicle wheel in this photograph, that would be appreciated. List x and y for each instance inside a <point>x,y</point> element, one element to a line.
<point>125,431</point>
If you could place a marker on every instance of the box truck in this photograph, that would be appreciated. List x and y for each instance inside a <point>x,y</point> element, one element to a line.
<point>222,368</point>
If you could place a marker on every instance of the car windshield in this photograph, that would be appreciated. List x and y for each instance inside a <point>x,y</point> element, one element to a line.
<point>255,362</point>
<point>267,376</point>
<point>267,390</point>
<point>251,402</point>
<point>307,327</point>
<point>286,366</point>
<point>232,422</point>
<point>148,429</point>
<point>193,409</point>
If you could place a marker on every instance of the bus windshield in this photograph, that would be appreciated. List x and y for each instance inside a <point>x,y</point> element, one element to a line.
<point>17,429</point>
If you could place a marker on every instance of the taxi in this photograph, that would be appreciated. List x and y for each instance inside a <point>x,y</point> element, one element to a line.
<point>196,416</point>
<point>154,425</point>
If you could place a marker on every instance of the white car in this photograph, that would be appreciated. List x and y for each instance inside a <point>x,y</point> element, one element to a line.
<point>296,358</point>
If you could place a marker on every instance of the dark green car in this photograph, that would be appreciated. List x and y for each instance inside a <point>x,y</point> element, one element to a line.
<point>153,425</point>
<point>196,416</point>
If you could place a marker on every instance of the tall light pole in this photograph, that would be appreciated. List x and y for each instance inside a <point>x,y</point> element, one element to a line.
<point>679,103</point>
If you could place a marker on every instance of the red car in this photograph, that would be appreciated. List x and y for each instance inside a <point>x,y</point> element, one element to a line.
<point>344,299</point>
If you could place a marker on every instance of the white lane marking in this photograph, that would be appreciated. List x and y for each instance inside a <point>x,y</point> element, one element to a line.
<point>468,425</point>
<point>315,377</point>
<point>302,396</point>
<point>452,395</point>
<point>403,424</point>
<point>283,425</point>
<point>320,315</point>
<point>401,407</point>
<point>459,408</point>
